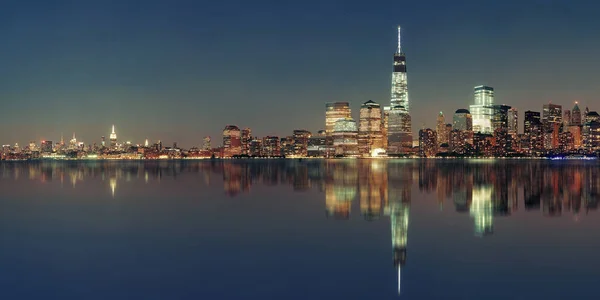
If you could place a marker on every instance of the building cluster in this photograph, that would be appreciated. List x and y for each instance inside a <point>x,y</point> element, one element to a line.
<point>489,129</point>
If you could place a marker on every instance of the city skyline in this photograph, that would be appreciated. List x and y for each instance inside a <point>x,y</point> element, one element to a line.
<point>92,75</point>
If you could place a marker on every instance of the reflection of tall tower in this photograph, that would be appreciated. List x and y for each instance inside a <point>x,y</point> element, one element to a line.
<point>482,210</point>
<point>113,138</point>
<point>372,183</point>
<point>399,221</point>
<point>399,189</point>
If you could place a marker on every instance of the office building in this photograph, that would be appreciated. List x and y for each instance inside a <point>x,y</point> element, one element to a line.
<point>428,144</point>
<point>399,126</point>
<point>232,141</point>
<point>576,116</point>
<point>370,135</point>
<point>482,111</point>
<point>440,129</point>
<point>345,137</point>
<point>113,138</point>
<point>301,138</point>
<point>246,138</point>
<point>462,120</point>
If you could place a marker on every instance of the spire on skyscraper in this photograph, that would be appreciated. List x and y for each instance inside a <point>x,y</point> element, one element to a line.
<point>399,41</point>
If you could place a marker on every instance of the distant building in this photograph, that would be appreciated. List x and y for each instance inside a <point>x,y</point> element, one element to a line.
<point>334,112</point>
<point>440,129</point>
<point>576,116</point>
<point>206,145</point>
<point>246,138</point>
<point>482,111</point>
<point>46,147</point>
<point>256,147</point>
<point>113,138</point>
<point>551,114</point>
<point>370,134</point>
<point>271,146</point>
<point>532,129</point>
<point>232,142</point>
<point>301,138</point>
<point>427,143</point>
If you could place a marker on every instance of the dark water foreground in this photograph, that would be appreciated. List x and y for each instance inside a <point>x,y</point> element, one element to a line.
<point>315,229</point>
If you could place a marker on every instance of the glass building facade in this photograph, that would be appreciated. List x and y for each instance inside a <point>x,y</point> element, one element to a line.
<point>482,111</point>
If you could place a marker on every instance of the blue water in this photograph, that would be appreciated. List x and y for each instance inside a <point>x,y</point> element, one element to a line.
<point>289,229</point>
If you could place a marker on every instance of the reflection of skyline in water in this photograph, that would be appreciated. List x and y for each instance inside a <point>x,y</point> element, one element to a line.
<point>372,190</point>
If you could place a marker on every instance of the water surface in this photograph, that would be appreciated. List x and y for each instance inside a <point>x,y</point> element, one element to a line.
<point>311,229</point>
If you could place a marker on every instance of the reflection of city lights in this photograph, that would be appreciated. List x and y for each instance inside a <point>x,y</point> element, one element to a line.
<point>113,185</point>
<point>482,210</point>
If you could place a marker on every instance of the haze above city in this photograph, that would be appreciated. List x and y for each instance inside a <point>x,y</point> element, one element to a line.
<point>181,70</point>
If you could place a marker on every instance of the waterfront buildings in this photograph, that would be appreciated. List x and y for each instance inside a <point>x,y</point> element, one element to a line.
<point>300,142</point>
<point>113,138</point>
<point>440,129</point>
<point>246,138</point>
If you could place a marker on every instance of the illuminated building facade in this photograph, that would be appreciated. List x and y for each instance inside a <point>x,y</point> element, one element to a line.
<point>113,138</point>
<point>256,147</point>
<point>482,111</point>
<point>301,138</point>
<point>459,141</point>
<point>591,136</point>
<point>345,137</point>
<point>576,115</point>
<point>566,118</point>
<point>206,143</point>
<point>246,138</point>
<point>513,121</point>
<point>551,116</point>
<point>440,129</point>
<point>399,79</point>
<point>370,135</point>
<point>427,143</point>
<point>399,134</point>
<point>271,146</point>
<point>533,131</point>
<point>462,120</point>
<point>232,141</point>
<point>399,127</point>
<point>46,146</point>
<point>334,112</point>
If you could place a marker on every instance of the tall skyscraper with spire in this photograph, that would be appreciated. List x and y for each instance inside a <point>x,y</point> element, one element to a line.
<point>399,121</point>
<point>113,138</point>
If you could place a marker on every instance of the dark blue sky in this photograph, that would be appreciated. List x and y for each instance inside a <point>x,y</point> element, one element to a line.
<point>180,70</point>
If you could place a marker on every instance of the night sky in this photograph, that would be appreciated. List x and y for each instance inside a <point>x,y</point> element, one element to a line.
<point>180,70</point>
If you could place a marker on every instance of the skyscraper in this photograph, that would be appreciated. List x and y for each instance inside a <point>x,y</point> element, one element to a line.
<point>482,110</point>
<point>399,127</point>
<point>551,114</point>
<point>333,112</point>
<point>500,117</point>
<point>440,129</point>
<point>428,143</point>
<point>46,147</point>
<point>399,79</point>
<point>301,138</point>
<point>246,139</point>
<point>532,128</point>
<point>113,138</point>
<point>576,115</point>
<point>513,122</point>
<point>206,145</point>
<point>566,118</point>
<point>462,120</point>
<point>551,121</point>
<point>370,136</point>
<point>232,143</point>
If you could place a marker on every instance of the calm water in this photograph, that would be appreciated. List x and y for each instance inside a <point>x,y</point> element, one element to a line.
<point>315,229</point>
